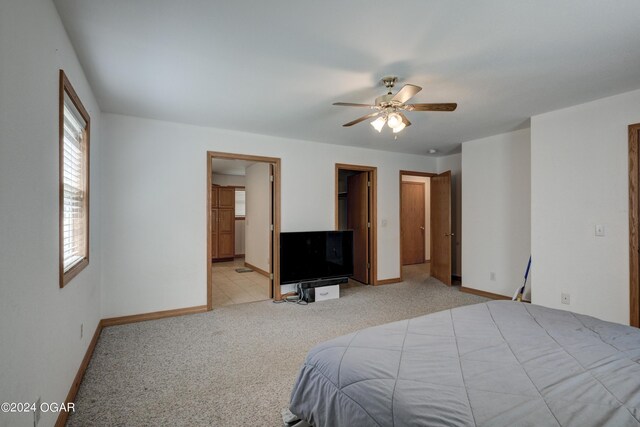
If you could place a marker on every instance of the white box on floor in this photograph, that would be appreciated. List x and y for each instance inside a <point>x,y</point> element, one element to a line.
<point>327,292</point>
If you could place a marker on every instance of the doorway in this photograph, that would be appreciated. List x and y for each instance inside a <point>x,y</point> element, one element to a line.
<point>634,225</point>
<point>243,228</point>
<point>425,225</point>
<point>355,209</point>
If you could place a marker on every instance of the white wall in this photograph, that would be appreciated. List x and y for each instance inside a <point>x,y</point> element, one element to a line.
<point>496,211</point>
<point>257,219</point>
<point>40,345</point>
<point>580,179</point>
<point>453,163</point>
<point>154,241</point>
<point>225,180</point>
<point>239,248</point>
<point>427,211</point>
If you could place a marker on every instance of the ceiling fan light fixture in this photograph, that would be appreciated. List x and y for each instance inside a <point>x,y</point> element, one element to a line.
<point>390,108</point>
<point>394,121</point>
<point>378,123</point>
<point>399,127</point>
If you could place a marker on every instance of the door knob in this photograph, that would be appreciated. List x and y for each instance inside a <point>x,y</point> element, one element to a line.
<point>422,228</point>
<point>449,234</point>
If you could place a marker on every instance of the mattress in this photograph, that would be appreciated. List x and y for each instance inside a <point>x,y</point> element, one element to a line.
<point>499,363</point>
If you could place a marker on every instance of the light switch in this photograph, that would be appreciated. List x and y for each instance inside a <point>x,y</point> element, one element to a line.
<point>383,223</point>
<point>600,230</point>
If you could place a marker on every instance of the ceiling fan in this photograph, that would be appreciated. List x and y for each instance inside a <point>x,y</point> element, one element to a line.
<point>389,107</point>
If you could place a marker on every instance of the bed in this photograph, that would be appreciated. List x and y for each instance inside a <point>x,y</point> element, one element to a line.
<point>499,363</point>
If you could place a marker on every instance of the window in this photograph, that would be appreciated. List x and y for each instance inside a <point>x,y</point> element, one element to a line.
<point>240,203</point>
<point>74,183</point>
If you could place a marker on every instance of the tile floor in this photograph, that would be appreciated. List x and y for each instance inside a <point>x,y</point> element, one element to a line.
<point>231,287</point>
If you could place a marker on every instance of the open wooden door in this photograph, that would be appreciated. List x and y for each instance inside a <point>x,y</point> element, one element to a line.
<point>634,224</point>
<point>441,235</point>
<point>412,233</point>
<point>272,221</point>
<point>358,221</point>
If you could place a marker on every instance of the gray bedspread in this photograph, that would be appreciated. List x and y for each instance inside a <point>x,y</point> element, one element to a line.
<point>499,363</point>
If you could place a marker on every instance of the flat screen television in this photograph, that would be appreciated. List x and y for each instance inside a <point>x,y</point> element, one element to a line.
<point>314,255</point>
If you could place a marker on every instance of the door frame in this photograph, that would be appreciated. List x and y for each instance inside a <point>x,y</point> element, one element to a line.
<point>274,292</point>
<point>407,173</point>
<point>373,208</point>
<point>634,233</point>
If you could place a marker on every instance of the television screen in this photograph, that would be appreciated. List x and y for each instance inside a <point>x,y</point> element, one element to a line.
<point>311,255</point>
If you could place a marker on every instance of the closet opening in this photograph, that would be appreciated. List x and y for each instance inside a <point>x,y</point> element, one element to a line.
<point>355,209</point>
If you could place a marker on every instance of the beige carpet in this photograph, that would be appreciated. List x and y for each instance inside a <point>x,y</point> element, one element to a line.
<point>235,365</point>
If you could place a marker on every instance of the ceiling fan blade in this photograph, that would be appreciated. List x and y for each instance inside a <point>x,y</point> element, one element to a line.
<point>361,119</point>
<point>405,120</point>
<point>350,104</point>
<point>431,107</point>
<point>406,93</point>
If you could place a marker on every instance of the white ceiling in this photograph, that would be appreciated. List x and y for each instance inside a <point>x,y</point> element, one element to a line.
<point>230,167</point>
<point>274,67</point>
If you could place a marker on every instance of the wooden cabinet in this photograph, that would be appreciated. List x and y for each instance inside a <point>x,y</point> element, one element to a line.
<point>227,197</point>
<point>223,223</point>
<point>214,233</point>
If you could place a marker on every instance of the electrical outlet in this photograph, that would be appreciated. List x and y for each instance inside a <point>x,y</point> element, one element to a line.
<point>492,276</point>
<point>37,412</point>
<point>565,299</point>
<point>81,330</point>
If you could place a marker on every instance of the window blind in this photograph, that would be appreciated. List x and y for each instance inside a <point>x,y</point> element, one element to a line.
<point>74,188</point>
<point>240,202</point>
